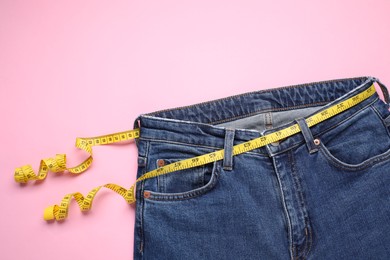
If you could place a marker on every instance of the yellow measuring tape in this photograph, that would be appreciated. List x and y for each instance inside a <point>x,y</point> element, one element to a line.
<point>58,164</point>
<point>25,173</point>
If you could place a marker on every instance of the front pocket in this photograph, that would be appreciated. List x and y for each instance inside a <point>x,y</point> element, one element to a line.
<point>353,167</point>
<point>184,184</point>
<point>357,143</point>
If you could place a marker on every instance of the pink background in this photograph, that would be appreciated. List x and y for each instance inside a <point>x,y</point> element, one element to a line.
<point>84,68</point>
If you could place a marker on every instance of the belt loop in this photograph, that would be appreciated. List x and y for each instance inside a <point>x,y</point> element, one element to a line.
<point>136,125</point>
<point>228,149</point>
<point>385,91</point>
<point>311,146</point>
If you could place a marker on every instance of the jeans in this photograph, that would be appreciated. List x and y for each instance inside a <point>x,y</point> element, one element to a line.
<point>323,193</point>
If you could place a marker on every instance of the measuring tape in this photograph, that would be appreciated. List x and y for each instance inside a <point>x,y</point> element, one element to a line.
<point>60,212</point>
<point>58,164</point>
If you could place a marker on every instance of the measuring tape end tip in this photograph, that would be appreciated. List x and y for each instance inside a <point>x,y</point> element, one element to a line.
<point>48,214</point>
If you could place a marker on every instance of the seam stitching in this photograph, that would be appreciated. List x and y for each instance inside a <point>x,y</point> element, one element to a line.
<point>298,187</point>
<point>286,213</point>
<point>141,249</point>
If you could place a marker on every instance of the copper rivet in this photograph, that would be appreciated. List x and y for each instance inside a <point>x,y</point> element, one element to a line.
<point>160,162</point>
<point>146,194</point>
<point>316,141</point>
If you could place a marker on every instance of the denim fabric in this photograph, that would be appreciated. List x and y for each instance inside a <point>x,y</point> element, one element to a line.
<point>292,199</point>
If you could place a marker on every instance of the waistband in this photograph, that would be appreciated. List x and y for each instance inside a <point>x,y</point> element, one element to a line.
<point>195,124</point>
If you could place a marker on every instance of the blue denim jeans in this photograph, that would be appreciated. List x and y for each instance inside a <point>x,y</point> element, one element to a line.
<point>292,199</point>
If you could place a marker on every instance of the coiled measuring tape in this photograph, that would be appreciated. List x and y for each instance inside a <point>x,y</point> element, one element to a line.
<point>58,164</point>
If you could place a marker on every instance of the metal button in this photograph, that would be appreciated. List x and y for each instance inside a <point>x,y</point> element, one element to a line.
<point>160,162</point>
<point>317,141</point>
